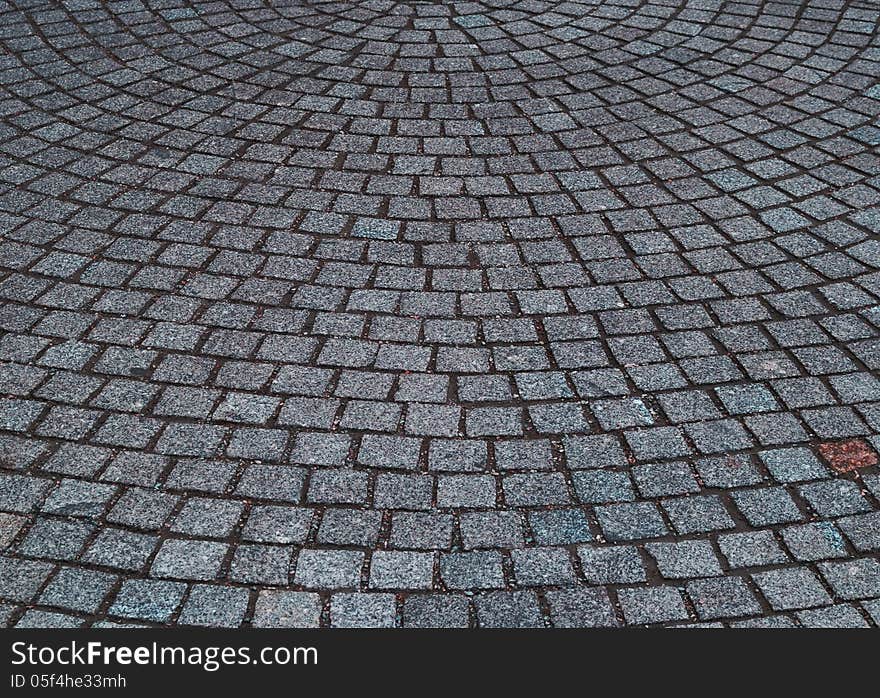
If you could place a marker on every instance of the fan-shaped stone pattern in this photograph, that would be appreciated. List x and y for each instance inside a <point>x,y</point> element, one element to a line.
<point>462,313</point>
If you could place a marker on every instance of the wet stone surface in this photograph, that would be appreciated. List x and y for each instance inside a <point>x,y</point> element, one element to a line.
<point>427,314</point>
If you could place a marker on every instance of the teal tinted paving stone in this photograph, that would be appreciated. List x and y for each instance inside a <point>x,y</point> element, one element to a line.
<point>425,288</point>
<point>559,527</point>
<point>748,399</point>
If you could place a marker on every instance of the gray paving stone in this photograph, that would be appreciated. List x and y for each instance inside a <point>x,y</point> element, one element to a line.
<point>260,564</point>
<point>358,610</point>
<point>188,559</point>
<point>751,549</point>
<point>542,567</point>
<point>436,611</point>
<point>612,564</point>
<point>214,607</point>
<point>558,527</point>
<point>863,531</point>
<point>622,522</point>
<point>581,608</point>
<point>840,616</point>
<point>791,588</point>
<point>475,570</point>
<point>853,579</point>
<point>685,559</point>
<point>649,605</point>
<point>147,599</point>
<point>78,590</point>
<point>397,569</point>
<point>722,597</point>
<point>509,609</point>
<point>328,569</point>
<point>471,283</point>
<point>120,549</point>
<point>287,609</point>
<point>21,579</point>
<point>814,541</point>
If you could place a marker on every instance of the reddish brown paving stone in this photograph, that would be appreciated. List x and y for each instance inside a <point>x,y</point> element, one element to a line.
<point>846,456</point>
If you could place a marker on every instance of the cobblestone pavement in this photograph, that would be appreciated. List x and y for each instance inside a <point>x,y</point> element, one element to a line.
<point>486,313</point>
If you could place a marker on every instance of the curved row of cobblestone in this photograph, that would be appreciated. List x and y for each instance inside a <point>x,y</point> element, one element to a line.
<point>466,313</point>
